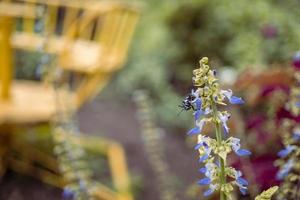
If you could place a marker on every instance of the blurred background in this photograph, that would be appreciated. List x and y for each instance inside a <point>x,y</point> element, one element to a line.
<point>90,92</point>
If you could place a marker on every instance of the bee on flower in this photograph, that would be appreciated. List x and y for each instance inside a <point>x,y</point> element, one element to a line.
<point>205,100</point>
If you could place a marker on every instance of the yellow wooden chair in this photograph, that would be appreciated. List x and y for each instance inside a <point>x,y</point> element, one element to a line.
<point>90,39</point>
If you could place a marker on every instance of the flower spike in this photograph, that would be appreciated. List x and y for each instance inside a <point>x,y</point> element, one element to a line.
<point>285,152</point>
<point>206,98</point>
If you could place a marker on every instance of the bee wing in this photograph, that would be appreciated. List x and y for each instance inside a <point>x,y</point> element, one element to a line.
<point>180,111</point>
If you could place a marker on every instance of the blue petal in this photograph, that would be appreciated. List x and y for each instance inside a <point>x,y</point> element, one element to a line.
<point>218,163</point>
<point>225,130</point>
<point>243,191</point>
<point>243,152</point>
<point>202,170</point>
<point>298,104</point>
<point>198,146</point>
<point>284,171</point>
<point>67,193</point>
<point>283,153</point>
<point>208,192</point>
<point>204,181</point>
<point>198,114</point>
<point>280,176</point>
<point>198,104</point>
<point>296,136</point>
<point>203,158</point>
<point>194,131</point>
<point>236,100</point>
<point>242,181</point>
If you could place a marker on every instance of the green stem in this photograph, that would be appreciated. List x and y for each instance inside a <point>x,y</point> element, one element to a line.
<point>222,162</point>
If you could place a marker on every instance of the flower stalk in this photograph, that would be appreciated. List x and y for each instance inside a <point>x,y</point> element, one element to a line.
<point>152,137</point>
<point>221,160</point>
<point>205,100</point>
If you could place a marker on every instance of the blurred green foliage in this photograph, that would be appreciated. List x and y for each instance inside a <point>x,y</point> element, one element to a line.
<point>173,35</point>
<point>149,62</point>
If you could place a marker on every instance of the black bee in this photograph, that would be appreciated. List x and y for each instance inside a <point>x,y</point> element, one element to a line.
<point>187,103</point>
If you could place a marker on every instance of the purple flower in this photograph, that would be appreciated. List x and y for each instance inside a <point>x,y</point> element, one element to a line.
<point>243,152</point>
<point>243,190</point>
<point>283,172</point>
<point>240,182</point>
<point>236,147</point>
<point>208,192</point>
<point>203,143</point>
<point>210,171</point>
<point>224,117</point>
<point>200,123</point>
<point>205,156</point>
<point>68,193</point>
<point>202,170</point>
<point>236,100</point>
<point>204,181</point>
<point>232,99</point>
<point>199,113</point>
<point>296,134</point>
<point>285,152</point>
<point>194,131</point>
<point>212,188</point>
<point>198,103</point>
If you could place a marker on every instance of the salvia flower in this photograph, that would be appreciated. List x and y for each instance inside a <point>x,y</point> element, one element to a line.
<point>224,117</point>
<point>240,182</point>
<point>212,188</point>
<point>236,147</point>
<point>68,193</point>
<point>194,131</point>
<point>232,99</point>
<point>207,96</point>
<point>204,147</point>
<point>296,134</point>
<point>289,162</point>
<point>283,172</point>
<point>286,151</point>
<point>210,171</point>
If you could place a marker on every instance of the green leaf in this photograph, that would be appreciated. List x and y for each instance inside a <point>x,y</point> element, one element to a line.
<point>267,195</point>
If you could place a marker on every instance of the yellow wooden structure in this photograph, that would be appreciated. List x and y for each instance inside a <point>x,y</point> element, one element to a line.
<point>90,39</point>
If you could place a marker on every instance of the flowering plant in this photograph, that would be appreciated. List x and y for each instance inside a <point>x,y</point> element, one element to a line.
<point>205,100</point>
<point>290,166</point>
<point>289,161</point>
<point>152,137</point>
